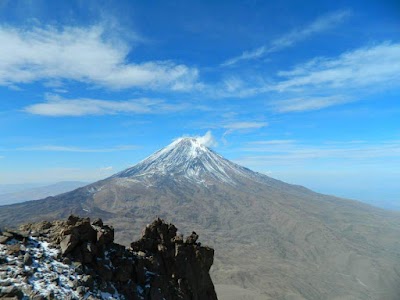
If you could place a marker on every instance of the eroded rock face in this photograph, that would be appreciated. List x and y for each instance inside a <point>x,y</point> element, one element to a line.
<point>79,259</point>
<point>182,264</point>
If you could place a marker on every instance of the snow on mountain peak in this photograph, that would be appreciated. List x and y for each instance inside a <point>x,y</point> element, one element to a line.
<point>190,146</point>
<point>206,140</point>
<point>187,157</point>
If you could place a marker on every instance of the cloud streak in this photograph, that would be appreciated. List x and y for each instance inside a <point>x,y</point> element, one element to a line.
<point>292,152</point>
<point>306,103</point>
<point>272,142</point>
<point>56,106</point>
<point>84,54</point>
<point>56,148</point>
<point>321,24</point>
<point>322,82</point>
<point>374,65</point>
<point>242,126</point>
<point>107,169</point>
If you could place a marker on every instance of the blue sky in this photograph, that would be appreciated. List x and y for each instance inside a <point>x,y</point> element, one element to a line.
<point>305,93</point>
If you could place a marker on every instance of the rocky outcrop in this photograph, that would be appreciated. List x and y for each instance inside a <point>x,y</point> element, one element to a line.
<point>77,259</point>
<point>185,264</point>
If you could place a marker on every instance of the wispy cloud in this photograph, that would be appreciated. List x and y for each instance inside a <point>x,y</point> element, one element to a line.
<point>109,168</point>
<point>307,103</point>
<point>374,65</point>
<point>321,24</point>
<point>248,55</point>
<point>57,106</point>
<point>272,142</point>
<point>84,54</point>
<point>238,87</point>
<point>233,125</point>
<point>57,148</point>
<point>323,81</point>
<point>244,125</point>
<point>286,152</point>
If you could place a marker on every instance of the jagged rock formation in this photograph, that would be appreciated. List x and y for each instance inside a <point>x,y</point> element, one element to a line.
<point>76,259</point>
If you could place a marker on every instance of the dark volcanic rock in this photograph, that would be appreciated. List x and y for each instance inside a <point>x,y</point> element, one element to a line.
<point>105,235</point>
<point>27,259</point>
<point>68,243</point>
<point>185,265</point>
<point>10,292</point>
<point>160,265</point>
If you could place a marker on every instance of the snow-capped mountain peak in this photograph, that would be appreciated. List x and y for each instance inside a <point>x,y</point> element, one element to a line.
<point>188,147</point>
<point>189,158</point>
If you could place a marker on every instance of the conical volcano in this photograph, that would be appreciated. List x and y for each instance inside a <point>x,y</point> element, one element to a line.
<point>188,159</point>
<point>273,240</point>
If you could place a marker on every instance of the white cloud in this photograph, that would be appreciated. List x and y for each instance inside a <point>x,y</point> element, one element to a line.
<point>235,86</point>
<point>321,24</point>
<point>57,106</point>
<point>308,103</point>
<point>247,55</point>
<point>338,80</point>
<point>325,81</point>
<point>57,148</point>
<point>109,168</point>
<point>232,126</point>
<point>207,140</point>
<point>273,142</point>
<point>363,67</point>
<point>85,54</point>
<point>244,125</point>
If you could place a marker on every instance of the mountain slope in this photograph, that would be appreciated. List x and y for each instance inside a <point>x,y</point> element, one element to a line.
<point>277,240</point>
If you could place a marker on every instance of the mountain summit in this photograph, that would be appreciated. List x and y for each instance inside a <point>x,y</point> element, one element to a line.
<point>186,158</point>
<point>272,240</point>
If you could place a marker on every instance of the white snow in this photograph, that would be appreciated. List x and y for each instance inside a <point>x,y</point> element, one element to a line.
<point>48,276</point>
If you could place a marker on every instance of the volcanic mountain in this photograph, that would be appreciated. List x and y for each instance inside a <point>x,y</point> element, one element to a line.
<point>272,240</point>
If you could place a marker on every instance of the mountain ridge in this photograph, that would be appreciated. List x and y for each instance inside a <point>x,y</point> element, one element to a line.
<point>78,259</point>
